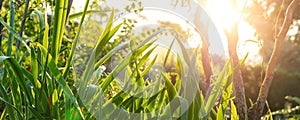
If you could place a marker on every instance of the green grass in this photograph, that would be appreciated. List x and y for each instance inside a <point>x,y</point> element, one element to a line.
<point>34,84</point>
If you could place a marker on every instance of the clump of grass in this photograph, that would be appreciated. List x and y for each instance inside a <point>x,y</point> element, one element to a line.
<point>41,90</point>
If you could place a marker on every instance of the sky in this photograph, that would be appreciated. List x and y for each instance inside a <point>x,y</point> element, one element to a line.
<point>219,11</point>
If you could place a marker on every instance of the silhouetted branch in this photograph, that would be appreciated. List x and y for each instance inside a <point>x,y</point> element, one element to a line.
<point>1,26</point>
<point>70,2</point>
<point>23,22</point>
<point>255,112</point>
<point>1,2</point>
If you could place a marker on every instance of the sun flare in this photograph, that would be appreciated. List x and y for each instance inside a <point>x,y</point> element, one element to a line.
<point>224,14</point>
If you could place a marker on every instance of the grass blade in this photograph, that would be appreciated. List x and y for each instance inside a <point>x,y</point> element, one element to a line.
<point>12,25</point>
<point>217,89</point>
<point>14,33</point>
<point>58,27</point>
<point>81,14</point>
<point>234,115</point>
<point>14,66</point>
<point>70,58</point>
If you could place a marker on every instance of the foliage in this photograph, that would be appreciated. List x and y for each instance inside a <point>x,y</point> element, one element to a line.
<point>43,77</point>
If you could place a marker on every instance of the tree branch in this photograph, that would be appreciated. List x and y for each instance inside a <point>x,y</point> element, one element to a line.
<point>206,63</point>
<point>1,2</point>
<point>1,26</point>
<point>256,110</point>
<point>23,22</point>
<point>70,2</point>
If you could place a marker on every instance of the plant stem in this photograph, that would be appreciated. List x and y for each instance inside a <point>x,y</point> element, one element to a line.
<point>70,58</point>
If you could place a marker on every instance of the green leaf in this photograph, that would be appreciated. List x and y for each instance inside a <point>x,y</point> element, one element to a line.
<point>168,52</point>
<point>14,66</point>
<point>172,93</point>
<point>56,73</point>
<point>221,113</point>
<point>41,25</point>
<point>145,57</point>
<point>7,101</point>
<point>36,114</point>
<point>110,53</point>
<point>34,68</point>
<point>12,25</point>
<point>14,33</point>
<point>70,58</point>
<point>234,115</point>
<point>115,72</point>
<point>81,14</point>
<point>58,27</point>
<point>148,68</point>
<point>217,89</point>
<point>103,40</point>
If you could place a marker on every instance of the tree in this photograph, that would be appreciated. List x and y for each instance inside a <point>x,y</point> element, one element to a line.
<point>270,26</point>
<point>256,110</point>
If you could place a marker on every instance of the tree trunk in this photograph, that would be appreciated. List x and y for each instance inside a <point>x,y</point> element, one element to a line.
<point>238,83</point>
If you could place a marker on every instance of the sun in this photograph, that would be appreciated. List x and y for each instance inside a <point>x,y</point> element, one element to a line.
<point>224,14</point>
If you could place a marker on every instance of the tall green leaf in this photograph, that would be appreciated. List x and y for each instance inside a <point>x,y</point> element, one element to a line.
<point>58,27</point>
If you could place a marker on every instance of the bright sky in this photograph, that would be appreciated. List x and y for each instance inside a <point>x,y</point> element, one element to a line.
<point>223,14</point>
<point>220,11</point>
